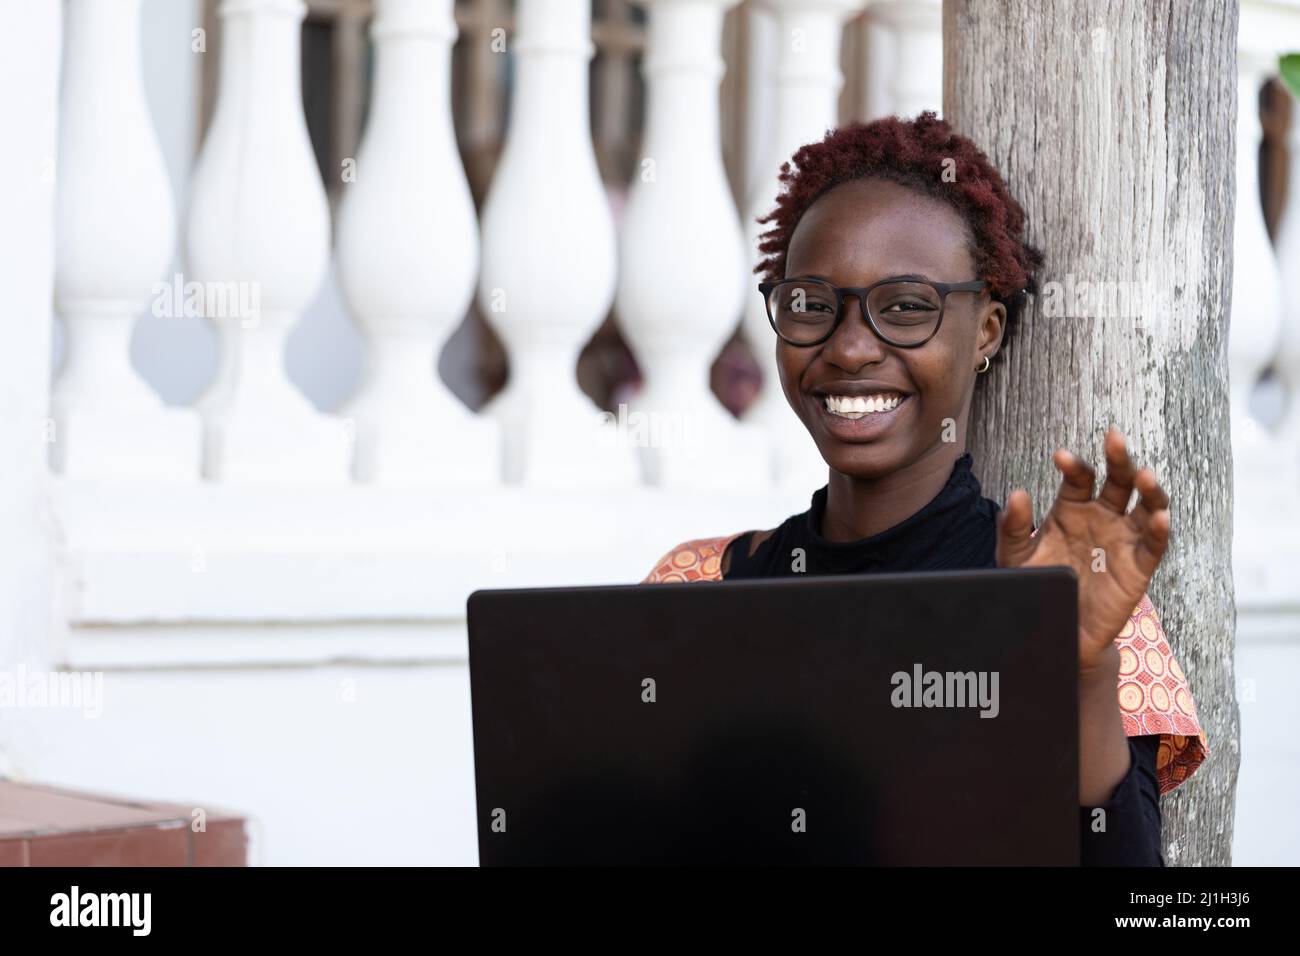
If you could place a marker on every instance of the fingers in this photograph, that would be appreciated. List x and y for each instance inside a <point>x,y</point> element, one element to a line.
<point>1077,477</point>
<point>1151,496</point>
<point>1122,478</point>
<point>1154,542</point>
<point>1153,520</point>
<point>1015,530</point>
<point>1120,474</point>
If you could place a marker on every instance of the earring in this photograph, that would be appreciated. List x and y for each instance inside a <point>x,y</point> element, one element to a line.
<point>983,368</point>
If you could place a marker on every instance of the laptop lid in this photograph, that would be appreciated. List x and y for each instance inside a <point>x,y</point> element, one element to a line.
<point>908,719</point>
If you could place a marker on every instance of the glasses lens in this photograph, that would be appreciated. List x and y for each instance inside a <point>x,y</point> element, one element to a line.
<point>905,312</point>
<point>802,310</point>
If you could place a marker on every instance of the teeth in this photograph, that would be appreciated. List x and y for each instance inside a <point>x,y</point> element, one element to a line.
<point>855,406</point>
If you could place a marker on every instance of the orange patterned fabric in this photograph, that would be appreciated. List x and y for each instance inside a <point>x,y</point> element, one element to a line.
<point>1154,697</point>
<point>1153,694</point>
<point>699,560</point>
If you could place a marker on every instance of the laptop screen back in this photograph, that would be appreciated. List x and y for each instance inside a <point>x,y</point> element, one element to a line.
<point>919,719</point>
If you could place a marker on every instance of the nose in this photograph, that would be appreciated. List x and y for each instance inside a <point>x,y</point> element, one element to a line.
<point>854,344</point>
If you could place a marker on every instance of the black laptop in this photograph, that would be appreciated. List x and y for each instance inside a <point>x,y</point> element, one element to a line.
<point>909,719</point>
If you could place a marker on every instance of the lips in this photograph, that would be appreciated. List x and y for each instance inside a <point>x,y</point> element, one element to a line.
<point>859,411</point>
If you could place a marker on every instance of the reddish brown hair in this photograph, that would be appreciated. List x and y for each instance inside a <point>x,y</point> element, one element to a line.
<point>915,154</point>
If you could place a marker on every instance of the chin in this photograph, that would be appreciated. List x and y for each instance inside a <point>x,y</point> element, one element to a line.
<point>866,461</point>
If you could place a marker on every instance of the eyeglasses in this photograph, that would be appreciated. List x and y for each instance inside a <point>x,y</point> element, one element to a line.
<point>902,311</point>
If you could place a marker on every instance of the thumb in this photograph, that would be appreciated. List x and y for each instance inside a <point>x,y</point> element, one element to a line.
<point>1015,530</point>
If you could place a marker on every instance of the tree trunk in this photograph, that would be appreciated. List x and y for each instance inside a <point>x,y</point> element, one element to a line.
<point>1113,122</point>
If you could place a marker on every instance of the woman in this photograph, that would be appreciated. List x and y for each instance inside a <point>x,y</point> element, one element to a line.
<point>895,271</point>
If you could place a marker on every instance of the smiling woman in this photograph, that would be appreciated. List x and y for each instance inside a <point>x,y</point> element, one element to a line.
<point>895,270</point>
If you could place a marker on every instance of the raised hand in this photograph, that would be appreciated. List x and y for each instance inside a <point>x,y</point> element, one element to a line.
<point>1113,551</point>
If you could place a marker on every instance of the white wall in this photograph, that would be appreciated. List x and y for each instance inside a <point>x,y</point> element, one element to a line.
<point>1267,831</point>
<point>385,778</point>
<point>29,61</point>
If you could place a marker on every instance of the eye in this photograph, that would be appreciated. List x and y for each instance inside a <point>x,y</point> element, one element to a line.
<point>899,307</point>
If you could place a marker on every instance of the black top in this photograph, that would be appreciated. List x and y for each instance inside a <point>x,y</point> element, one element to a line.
<point>958,530</point>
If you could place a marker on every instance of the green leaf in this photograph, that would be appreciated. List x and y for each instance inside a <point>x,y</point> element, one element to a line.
<point>1289,68</point>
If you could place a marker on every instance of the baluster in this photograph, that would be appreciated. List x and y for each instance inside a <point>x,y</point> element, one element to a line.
<point>913,77</point>
<point>808,81</point>
<point>1256,285</point>
<point>682,257</point>
<point>1287,362</point>
<point>1259,461</point>
<point>115,231</point>
<point>549,258</point>
<point>760,94</point>
<point>879,45</point>
<point>257,244</point>
<point>408,257</point>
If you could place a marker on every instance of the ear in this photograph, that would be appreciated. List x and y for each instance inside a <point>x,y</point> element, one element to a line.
<point>992,325</point>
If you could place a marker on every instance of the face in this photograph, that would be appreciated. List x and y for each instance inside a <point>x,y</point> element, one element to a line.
<point>855,235</point>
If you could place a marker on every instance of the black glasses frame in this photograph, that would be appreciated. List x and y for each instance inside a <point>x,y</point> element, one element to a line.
<point>942,288</point>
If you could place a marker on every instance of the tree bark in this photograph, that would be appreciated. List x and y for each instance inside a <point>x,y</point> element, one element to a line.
<point>1113,122</point>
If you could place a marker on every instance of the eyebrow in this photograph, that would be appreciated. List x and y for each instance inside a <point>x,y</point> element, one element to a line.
<point>910,275</point>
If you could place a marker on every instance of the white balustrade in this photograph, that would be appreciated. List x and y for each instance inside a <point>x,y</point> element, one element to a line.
<point>257,246</point>
<point>549,259</point>
<point>408,249</point>
<point>682,260</point>
<point>807,84</point>
<point>408,256</point>
<point>912,39</point>
<point>115,232</point>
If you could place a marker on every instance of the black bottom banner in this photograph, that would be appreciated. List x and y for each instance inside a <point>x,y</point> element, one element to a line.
<point>372,905</point>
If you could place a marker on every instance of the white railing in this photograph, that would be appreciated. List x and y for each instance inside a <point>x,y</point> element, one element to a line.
<point>253,505</point>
